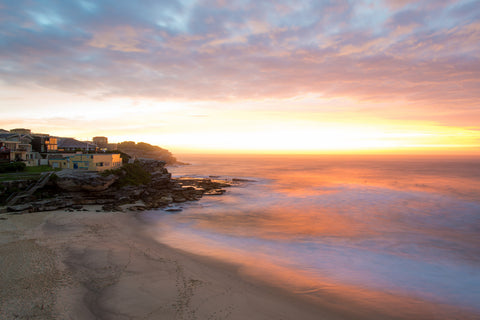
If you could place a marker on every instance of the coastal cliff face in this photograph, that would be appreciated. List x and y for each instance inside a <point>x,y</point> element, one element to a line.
<point>73,181</point>
<point>145,150</point>
<point>147,184</point>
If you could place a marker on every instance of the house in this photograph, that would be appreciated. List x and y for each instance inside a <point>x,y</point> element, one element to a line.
<point>44,143</point>
<point>4,152</point>
<point>103,145</point>
<point>81,161</point>
<point>106,161</point>
<point>19,147</point>
<point>100,142</point>
<point>7,145</point>
<point>58,161</point>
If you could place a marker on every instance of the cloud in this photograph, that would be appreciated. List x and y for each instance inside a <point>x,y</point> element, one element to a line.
<point>408,17</point>
<point>217,50</point>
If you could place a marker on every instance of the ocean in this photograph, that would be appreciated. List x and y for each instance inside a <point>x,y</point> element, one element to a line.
<point>396,235</point>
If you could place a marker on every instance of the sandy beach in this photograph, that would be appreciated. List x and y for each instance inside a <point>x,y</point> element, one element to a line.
<point>101,265</point>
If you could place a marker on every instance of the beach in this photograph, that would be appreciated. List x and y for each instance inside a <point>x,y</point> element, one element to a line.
<point>103,265</point>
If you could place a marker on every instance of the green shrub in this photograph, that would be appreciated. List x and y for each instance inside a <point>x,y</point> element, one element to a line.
<point>39,169</point>
<point>53,177</point>
<point>12,167</point>
<point>130,174</point>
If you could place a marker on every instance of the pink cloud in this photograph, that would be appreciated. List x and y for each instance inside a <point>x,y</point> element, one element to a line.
<point>254,52</point>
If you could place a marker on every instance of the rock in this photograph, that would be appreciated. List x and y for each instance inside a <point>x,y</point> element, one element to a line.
<point>52,204</point>
<point>160,179</point>
<point>123,199</point>
<point>77,206</point>
<point>20,207</point>
<point>154,166</point>
<point>214,192</point>
<point>179,199</point>
<point>137,208</point>
<point>242,180</point>
<point>43,205</point>
<point>104,201</point>
<point>111,207</point>
<point>88,201</point>
<point>173,209</point>
<point>70,180</point>
<point>132,191</point>
<point>166,199</point>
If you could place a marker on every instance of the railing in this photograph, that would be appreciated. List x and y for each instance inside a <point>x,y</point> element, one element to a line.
<point>11,197</point>
<point>40,183</point>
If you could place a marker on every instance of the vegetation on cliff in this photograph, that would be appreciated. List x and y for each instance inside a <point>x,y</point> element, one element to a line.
<point>130,174</point>
<point>145,150</point>
<point>12,167</point>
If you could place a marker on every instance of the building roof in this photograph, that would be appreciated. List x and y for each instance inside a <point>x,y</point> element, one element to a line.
<point>8,135</point>
<point>56,157</point>
<point>73,144</point>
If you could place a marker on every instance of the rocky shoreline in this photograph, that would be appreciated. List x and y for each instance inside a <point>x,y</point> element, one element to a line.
<point>71,190</point>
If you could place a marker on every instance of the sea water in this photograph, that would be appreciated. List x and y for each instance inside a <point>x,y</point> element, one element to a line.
<point>395,234</point>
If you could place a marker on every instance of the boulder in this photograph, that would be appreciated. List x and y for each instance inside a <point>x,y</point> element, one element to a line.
<point>214,192</point>
<point>160,180</point>
<point>179,198</point>
<point>111,207</point>
<point>166,199</point>
<point>137,208</point>
<point>20,208</point>
<point>70,180</point>
<point>52,204</point>
<point>172,209</point>
<point>153,166</point>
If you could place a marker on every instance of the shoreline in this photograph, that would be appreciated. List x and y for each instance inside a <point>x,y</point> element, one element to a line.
<point>101,265</point>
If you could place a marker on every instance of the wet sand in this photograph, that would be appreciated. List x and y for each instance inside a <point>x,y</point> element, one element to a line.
<point>97,265</point>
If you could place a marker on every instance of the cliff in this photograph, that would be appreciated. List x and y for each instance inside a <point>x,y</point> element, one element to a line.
<point>146,183</point>
<point>147,151</point>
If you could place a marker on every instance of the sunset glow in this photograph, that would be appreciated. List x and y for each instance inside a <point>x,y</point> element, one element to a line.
<point>247,77</point>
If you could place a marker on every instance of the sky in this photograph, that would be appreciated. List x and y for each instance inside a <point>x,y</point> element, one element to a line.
<point>393,76</point>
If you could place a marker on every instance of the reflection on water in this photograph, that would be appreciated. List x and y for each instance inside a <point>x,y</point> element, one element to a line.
<point>395,234</point>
